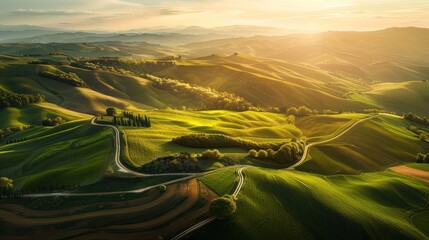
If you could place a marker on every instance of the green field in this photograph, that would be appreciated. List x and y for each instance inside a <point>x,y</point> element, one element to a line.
<point>371,146</point>
<point>146,144</point>
<point>398,97</point>
<point>72,153</point>
<point>277,203</point>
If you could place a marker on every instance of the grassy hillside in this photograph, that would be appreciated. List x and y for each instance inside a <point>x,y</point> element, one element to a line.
<point>319,127</point>
<point>370,146</point>
<point>267,82</point>
<point>79,49</point>
<point>145,144</point>
<point>34,114</point>
<point>277,203</point>
<point>105,89</point>
<point>371,56</point>
<point>72,153</point>
<point>398,97</point>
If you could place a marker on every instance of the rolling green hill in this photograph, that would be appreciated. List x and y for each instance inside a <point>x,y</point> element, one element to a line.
<point>371,146</point>
<point>371,56</point>
<point>275,204</point>
<point>398,97</point>
<point>105,89</point>
<point>146,144</point>
<point>72,153</point>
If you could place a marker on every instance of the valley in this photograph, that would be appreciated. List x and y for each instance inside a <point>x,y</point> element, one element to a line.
<point>305,135</point>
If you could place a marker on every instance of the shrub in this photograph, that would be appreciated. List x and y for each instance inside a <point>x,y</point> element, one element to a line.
<point>211,154</point>
<point>6,183</point>
<point>223,207</point>
<point>53,122</point>
<point>162,188</point>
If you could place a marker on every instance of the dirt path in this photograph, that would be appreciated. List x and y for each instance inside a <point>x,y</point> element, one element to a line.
<point>411,172</point>
<point>307,147</point>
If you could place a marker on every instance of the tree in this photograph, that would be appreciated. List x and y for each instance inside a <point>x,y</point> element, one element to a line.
<point>223,207</point>
<point>426,159</point>
<point>292,111</point>
<point>111,111</point>
<point>253,153</point>
<point>421,157</point>
<point>423,136</point>
<point>262,154</point>
<point>303,111</point>
<point>6,183</point>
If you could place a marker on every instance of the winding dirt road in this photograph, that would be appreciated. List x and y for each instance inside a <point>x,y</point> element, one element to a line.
<point>307,147</point>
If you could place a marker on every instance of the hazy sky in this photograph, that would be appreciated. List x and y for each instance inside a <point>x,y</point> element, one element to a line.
<point>300,14</point>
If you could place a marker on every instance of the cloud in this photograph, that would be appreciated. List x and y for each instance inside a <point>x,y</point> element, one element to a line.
<point>51,12</point>
<point>172,11</point>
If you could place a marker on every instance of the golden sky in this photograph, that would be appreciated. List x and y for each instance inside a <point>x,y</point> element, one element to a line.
<point>311,15</point>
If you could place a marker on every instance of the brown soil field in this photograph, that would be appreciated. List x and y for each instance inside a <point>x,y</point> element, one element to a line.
<point>411,172</point>
<point>155,214</point>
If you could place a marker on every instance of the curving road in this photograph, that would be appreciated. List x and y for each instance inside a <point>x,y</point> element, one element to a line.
<point>211,219</point>
<point>122,167</point>
<point>307,147</point>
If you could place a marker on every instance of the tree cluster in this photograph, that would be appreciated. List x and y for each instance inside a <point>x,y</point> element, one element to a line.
<point>16,140</point>
<point>208,98</point>
<point>8,99</point>
<point>126,66</point>
<point>202,140</point>
<point>185,162</point>
<point>19,194</point>
<point>10,58</point>
<point>10,130</point>
<point>288,153</point>
<point>132,120</point>
<point>53,122</point>
<point>181,162</point>
<point>67,78</point>
<point>45,62</point>
<point>422,158</point>
<point>417,119</point>
<point>423,134</point>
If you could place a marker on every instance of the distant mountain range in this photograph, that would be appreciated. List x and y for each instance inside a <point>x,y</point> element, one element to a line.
<point>163,36</point>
